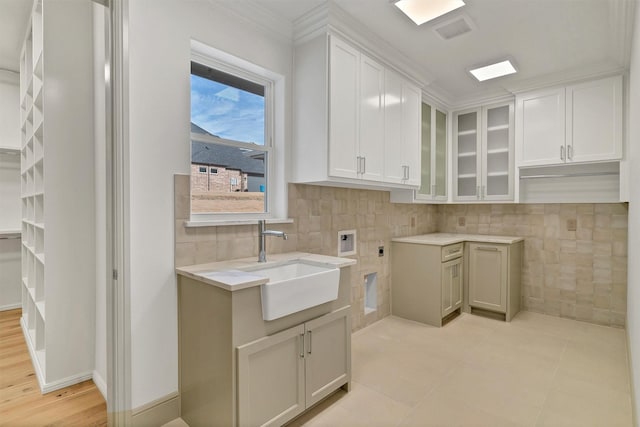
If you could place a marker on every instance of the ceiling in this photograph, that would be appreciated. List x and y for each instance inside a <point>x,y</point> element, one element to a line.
<point>14,15</point>
<point>548,40</point>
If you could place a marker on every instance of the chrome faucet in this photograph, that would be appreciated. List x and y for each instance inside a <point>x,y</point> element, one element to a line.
<point>262,244</point>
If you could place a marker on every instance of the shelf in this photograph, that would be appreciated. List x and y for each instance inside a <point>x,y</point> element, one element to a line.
<point>497,128</point>
<point>39,257</point>
<point>468,132</point>
<point>505,173</point>
<point>467,154</point>
<point>467,176</point>
<point>12,151</point>
<point>498,151</point>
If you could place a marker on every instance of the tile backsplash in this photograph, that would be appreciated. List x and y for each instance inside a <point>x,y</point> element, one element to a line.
<point>575,258</point>
<point>318,214</point>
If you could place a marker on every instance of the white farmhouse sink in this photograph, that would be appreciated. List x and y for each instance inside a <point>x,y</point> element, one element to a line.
<point>295,286</point>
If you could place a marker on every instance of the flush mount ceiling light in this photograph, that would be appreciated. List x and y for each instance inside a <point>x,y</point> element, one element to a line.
<point>492,71</point>
<point>421,11</point>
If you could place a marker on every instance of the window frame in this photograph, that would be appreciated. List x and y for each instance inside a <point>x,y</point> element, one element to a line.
<point>274,147</point>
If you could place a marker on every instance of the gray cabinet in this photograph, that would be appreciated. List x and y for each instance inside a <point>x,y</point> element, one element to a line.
<point>426,281</point>
<point>494,277</point>
<point>281,375</point>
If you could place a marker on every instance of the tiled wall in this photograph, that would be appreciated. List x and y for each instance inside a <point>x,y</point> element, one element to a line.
<point>579,274</point>
<point>318,214</point>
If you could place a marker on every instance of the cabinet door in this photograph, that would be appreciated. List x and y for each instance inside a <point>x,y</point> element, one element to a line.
<point>411,114</point>
<point>393,170</point>
<point>488,268</point>
<point>594,120</point>
<point>426,188</point>
<point>497,153</point>
<point>451,286</point>
<point>440,156</point>
<point>344,63</point>
<point>271,379</point>
<point>328,354</point>
<point>371,144</point>
<point>467,154</point>
<point>540,127</point>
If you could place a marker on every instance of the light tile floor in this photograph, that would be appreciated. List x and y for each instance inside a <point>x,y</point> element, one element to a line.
<point>536,370</point>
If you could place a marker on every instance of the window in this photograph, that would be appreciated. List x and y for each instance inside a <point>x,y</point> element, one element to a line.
<point>202,169</point>
<point>237,132</point>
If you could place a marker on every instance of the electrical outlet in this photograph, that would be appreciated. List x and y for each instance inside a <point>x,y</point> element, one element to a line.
<point>462,221</point>
<point>380,251</point>
<point>572,225</point>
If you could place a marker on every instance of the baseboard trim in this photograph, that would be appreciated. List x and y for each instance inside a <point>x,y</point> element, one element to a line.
<point>631,383</point>
<point>157,412</point>
<point>54,385</point>
<point>100,383</point>
<point>8,307</point>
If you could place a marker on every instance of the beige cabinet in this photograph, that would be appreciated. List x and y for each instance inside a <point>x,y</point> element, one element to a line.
<point>494,277</point>
<point>271,379</point>
<point>426,281</point>
<point>236,369</point>
<point>281,375</point>
<point>451,286</point>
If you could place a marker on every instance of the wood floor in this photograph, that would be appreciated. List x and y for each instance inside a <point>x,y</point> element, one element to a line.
<point>21,403</point>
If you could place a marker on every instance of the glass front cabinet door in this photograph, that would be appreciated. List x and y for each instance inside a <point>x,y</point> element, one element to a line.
<point>483,153</point>
<point>433,179</point>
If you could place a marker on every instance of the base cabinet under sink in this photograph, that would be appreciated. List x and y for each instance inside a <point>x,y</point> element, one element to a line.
<point>281,375</point>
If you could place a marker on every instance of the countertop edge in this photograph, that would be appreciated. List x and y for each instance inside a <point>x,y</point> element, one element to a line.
<point>193,271</point>
<point>444,239</point>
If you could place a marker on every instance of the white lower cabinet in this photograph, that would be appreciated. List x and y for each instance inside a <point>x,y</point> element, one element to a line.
<point>494,277</point>
<point>281,375</point>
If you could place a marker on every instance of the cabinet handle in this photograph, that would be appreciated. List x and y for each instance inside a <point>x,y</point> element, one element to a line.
<point>570,152</point>
<point>302,346</point>
<point>364,165</point>
<point>483,193</point>
<point>309,332</point>
<point>358,165</point>
<point>478,192</point>
<point>562,152</point>
<point>433,190</point>
<point>487,248</point>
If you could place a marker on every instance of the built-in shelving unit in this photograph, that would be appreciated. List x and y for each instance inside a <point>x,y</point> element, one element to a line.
<point>56,156</point>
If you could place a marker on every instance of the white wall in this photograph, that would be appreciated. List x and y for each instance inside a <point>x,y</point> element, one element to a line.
<point>633,290</point>
<point>10,207</point>
<point>159,110</point>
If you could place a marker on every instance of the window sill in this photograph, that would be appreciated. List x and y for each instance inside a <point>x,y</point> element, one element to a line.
<point>224,222</point>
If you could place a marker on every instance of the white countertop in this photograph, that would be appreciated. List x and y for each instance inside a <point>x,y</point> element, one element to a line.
<point>443,239</point>
<point>229,275</point>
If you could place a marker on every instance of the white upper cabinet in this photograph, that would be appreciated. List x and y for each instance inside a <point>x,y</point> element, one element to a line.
<point>579,123</point>
<point>372,110</point>
<point>356,122</point>
<point>594,121</point>
<point>483,153</point>
<point>433,179</point>
<point>343,110</point>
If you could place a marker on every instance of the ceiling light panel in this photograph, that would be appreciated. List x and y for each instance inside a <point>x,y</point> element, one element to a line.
<point>421,11</point>
<point>492,71</point>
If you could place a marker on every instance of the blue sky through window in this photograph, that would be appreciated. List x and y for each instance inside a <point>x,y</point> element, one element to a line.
<point>226,111</point>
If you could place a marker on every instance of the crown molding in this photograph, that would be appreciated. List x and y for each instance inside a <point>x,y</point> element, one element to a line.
<point>259,17</point>
<point>330,18</point>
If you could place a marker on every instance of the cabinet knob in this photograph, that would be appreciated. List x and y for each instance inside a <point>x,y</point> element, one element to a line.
<point>562,152</point>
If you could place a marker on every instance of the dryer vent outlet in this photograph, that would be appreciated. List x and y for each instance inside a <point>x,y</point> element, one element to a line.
<point>346,242</point>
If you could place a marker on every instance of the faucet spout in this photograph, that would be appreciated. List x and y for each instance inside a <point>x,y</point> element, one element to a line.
<point>262,241</point>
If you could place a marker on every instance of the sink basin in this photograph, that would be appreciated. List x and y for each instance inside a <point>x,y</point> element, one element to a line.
<point>295,286</point>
